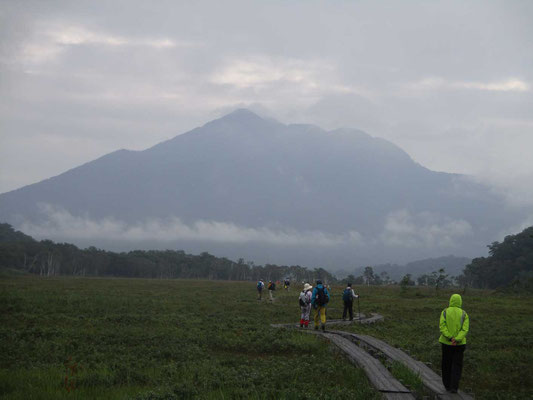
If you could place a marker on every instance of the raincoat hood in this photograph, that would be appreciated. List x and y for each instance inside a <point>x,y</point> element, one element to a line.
<point>456,301</point>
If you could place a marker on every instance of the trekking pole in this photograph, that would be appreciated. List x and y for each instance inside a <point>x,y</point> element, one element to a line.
<point>359,308</point>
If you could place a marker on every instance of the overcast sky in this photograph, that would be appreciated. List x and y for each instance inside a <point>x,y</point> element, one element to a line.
<point>450,82</point>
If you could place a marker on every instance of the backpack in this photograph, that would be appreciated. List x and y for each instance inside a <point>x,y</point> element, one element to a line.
<point>347,295</point>
<point>321,297</point>
<point>259,285</point>
<point>303,299</point>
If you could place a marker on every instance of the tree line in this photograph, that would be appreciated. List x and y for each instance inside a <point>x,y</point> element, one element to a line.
<point>47,258</point>
<point>509,263</point>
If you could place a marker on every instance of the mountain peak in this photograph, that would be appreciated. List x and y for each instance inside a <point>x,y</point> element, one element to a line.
<point>238,122</point>
<point>241,114</point>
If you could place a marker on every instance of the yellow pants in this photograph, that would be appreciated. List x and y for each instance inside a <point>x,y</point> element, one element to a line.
<point>320,312</point>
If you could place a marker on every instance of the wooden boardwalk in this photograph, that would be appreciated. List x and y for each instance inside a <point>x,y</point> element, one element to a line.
<point>364,320</point>
<point>431,380</point>
<point>355,347</point>
<point>376,372</point>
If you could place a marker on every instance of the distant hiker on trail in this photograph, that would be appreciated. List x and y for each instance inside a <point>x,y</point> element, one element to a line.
<point>305,305</point>
<point>347,297</point>
<point>260,287</point>
<point>286,284</point>
<point>271,288</point>
<point>454,325</point>
<point>319,300</point>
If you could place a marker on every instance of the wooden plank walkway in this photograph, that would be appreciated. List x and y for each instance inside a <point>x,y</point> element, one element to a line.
<point>379,376</point>
<point>352,345</point>
<point>376,372</point>
<point>364,320</point>
<point>431,380</point>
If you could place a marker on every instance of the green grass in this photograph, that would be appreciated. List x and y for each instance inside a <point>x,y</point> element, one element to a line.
<point>161,339</point>
<point>174,339</point>
<point>409,379</point>
<point>498,362</point>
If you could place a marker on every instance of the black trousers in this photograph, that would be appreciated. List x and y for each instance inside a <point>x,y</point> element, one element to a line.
<point>452,365</point>
<point>348,306</point>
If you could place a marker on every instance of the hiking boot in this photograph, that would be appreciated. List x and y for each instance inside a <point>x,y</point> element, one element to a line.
<point>323,328</point>
<point>316,327</point>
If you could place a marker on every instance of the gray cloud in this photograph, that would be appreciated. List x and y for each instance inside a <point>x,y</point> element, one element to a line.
<point>61,225</point>
<point>403,229</point>
<point>450,82</point>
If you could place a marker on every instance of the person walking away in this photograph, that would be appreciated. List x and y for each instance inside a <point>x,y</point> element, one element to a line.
<point>319,300</point>
<point>347,297</point>
<point>271,288</point>
<point>305,305</point>
<point>260,287</point>
<point>454,325</point>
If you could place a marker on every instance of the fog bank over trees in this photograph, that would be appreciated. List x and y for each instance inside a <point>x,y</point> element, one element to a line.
<point>510,264</point>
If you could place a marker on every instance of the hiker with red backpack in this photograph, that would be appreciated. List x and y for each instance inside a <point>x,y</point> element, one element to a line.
<point>319,300</point>
<point>305,305</point>
<point>347,298</point>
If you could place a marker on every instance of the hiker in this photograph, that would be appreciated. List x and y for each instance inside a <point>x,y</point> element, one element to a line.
<point>271,288</point>
<point>319,300</point>
<point>305,305</point>
<point>454,326</point>
<point>347,297</point>
<point>260,287</point>
<point>286,284</point>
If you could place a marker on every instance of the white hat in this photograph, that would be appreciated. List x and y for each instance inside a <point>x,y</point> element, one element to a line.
<point>307,286</point>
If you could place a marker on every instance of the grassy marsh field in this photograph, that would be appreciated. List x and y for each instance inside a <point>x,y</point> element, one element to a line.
<point>166,339</point>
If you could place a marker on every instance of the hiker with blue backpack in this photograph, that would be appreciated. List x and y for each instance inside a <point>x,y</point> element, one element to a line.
<point>319,300</point>
<point>260,287</point>
<point>347,297</point>
<point>305,305</point>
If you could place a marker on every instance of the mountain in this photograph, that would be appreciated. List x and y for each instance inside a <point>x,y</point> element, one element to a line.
<point>247,186</point>
<point>453,266</point>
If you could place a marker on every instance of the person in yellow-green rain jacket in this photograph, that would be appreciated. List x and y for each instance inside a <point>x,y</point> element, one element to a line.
<point>454,326</point>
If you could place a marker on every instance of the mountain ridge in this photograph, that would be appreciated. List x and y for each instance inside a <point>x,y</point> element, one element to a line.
<point>252,173</point>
